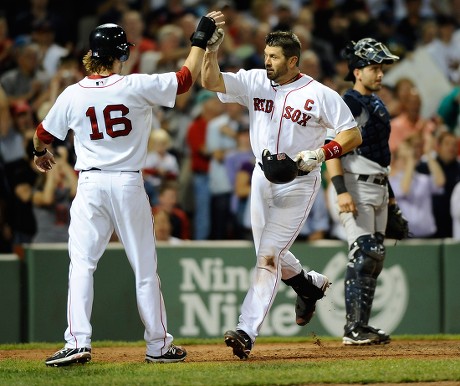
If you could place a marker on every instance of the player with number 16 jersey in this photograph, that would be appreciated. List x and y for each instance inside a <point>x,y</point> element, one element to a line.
<point>111,117</point>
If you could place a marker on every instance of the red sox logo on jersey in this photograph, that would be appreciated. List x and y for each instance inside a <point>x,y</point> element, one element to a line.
<point>295,115</point>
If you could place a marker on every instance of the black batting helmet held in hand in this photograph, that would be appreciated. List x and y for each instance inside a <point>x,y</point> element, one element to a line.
<point>109,40</point>
<point>279,168</point>
<point>365,52</point>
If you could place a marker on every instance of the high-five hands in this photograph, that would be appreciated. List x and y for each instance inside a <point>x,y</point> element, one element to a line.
<point>218,36</point>
<point>308,160</point>
<point>206,28</point>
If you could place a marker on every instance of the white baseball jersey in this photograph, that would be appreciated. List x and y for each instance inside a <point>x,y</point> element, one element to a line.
<point>288,118</point>
<point>111,118</point>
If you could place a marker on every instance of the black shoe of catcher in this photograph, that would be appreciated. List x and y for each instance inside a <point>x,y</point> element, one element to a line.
<point>384,338</point>
<point>68,356</point>
<point>240,342</point>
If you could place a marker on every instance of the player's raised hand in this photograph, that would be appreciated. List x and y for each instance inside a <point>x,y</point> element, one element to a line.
<point>216,39</point>
<point>45,162</point>
<point>218,18</point>
<point>206,27</point>
<point>308,160</point>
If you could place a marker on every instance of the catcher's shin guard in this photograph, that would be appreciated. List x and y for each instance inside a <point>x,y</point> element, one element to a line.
<point>359,296</point>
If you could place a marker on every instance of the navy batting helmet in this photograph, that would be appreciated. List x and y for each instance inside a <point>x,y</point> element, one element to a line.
<point>109,40</point>
<point>279,168</point>
<point>365,52</point>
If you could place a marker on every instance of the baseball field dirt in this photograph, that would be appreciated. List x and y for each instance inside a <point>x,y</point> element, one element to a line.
<point>315,350</point>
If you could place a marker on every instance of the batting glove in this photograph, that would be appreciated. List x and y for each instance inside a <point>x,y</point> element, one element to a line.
<point>308,160</point>
<point>215,41</point>
<point>204,31</point>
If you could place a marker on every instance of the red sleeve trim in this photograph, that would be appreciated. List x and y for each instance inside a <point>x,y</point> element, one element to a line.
<point>332,150</point>
<point>43,135</point>
<point>184,80</point>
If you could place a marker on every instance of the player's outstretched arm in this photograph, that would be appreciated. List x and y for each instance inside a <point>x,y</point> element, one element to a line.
<point>211,77</point>
<point>200,38</point>
<point>43,158</point>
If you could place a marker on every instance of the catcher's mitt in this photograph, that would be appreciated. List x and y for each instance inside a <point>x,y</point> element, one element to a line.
<point>397,225</point>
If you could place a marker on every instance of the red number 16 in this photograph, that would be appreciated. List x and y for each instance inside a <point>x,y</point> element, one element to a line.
<point>109,122</point>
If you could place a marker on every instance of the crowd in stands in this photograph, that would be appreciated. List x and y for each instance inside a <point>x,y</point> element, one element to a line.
<point>199,165</point>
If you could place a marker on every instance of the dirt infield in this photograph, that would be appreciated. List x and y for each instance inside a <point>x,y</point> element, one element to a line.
<point>314,350</point>
<point>308,351</point>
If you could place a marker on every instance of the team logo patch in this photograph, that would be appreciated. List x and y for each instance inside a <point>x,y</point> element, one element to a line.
<point>281,156</point>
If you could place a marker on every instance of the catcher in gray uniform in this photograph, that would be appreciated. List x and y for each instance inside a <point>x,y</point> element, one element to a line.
<point>363,193</point>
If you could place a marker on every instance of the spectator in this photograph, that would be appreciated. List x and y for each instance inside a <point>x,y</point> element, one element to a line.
<point>413,190</point>
<point>220,140</point>
<point>52,199</point>
<point>409,121</point>
<point>242,192</point>
<point>43,34</point>
<point>409,28</point>
<point>134,25</point>
<point>39,11</point>
<point>160,164</point>
<point>446,155</point>
<point>21,179</point>
<point>209,107</point>
<point>163,228</point>
<point>23,122</point>
<point>26,81</point>
<point>6,45</point>
<point>318,225</point>
<point>448,109</point>
<point>14,130</point>
<point>445,50</point>
<point>239,164</point>
<point>167,202</point>
<point>6,234</point>
<point>68,72</point>
<point>170,51</point>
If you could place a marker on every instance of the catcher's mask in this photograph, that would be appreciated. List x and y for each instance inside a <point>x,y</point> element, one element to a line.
<point>109,40</point>
<point>279,168</point>
<point>365,52</point>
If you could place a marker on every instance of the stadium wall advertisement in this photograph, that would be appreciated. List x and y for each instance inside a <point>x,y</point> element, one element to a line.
<point>204,284</point>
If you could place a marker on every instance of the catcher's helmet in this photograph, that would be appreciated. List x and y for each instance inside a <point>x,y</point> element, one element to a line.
<point>109,40</point>
<point>365,52</point>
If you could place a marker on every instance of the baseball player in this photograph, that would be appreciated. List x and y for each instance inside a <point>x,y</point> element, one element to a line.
<point>111,117</point>
<point>363,193</point>
<point>289,114</point>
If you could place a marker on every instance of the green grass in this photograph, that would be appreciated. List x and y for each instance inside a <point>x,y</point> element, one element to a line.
<point>273,372</point>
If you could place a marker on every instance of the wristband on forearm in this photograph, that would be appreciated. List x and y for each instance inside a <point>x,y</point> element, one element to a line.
<point>40,153</point>
<point>339,184</point>
<point>332,149</point>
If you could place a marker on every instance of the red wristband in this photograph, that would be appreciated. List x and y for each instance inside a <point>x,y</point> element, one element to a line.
<point>332,150</point>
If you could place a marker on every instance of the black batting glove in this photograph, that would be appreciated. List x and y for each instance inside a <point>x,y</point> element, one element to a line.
<point>203,32</point>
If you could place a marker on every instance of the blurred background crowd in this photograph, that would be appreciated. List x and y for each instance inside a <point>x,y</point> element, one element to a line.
<point>199,165</point>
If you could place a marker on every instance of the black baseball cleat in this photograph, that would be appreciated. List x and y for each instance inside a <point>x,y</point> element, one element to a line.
<point>174,354</point>
<point>360,336</point>
<point>384,338</point>
<point>305,306</point>
<point>240,342</point>
<point>68,356</point>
